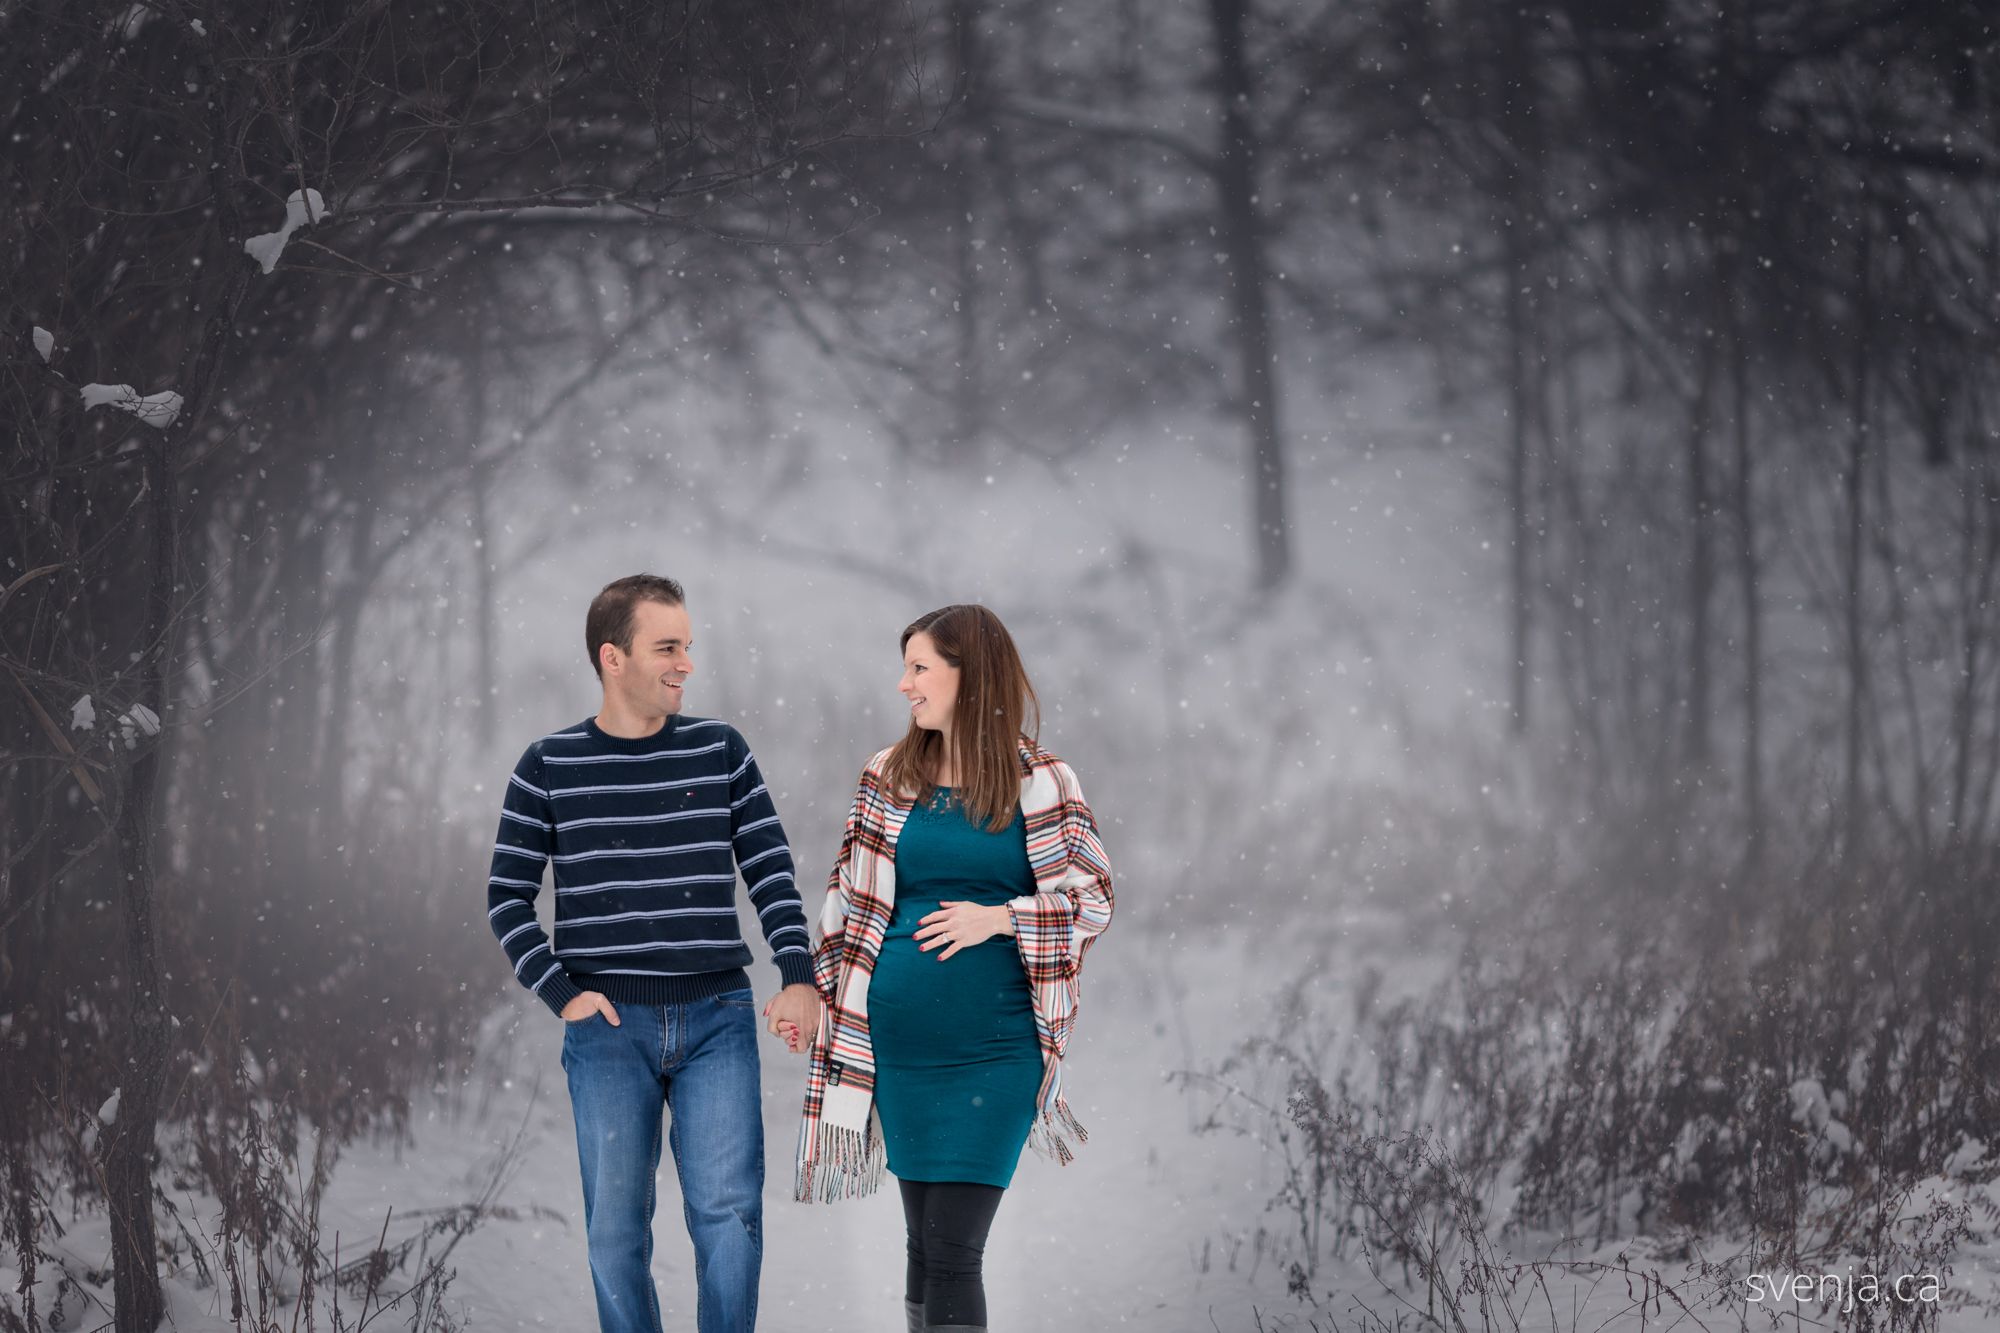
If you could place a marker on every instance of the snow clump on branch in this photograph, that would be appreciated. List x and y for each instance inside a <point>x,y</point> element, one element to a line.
<point>302,208</point>
<point>155,409</point>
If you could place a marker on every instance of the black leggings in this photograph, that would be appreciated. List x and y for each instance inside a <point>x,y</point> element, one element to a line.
<point>948,1222</point>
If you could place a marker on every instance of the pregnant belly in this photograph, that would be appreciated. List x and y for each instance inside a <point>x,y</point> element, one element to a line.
<point>971,1007</point>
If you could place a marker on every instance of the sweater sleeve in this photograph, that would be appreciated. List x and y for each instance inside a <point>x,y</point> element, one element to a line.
<point>765,860</point>
<point>521,852</point>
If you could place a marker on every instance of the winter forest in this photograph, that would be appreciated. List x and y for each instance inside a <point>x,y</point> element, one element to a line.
<point>1500,504</point>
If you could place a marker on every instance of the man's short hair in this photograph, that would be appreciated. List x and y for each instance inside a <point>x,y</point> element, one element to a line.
<point>613,611</point>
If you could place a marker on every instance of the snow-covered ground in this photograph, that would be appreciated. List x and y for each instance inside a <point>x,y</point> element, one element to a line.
<point>1133,1234</point>
<point>1154,1226</point>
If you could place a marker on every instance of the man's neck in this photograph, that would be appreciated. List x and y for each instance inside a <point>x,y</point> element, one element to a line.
<point>616,720</point>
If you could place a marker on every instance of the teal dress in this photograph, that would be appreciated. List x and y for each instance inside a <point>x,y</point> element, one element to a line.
<point>957,1061</point>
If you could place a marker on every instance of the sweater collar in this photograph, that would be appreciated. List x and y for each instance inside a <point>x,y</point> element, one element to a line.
<point>630,744</point>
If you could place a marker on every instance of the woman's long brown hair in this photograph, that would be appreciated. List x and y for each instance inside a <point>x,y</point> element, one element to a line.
<point>995,703</point>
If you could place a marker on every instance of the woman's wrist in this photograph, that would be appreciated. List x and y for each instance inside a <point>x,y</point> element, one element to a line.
<point>1003,923</point>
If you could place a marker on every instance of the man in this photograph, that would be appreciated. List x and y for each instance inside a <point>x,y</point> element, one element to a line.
<point>642,810</point>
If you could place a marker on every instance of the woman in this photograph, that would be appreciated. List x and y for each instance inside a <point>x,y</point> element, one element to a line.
<point>969,885</point>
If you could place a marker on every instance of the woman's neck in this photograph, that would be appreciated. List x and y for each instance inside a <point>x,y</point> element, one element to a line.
<point>946,773</point>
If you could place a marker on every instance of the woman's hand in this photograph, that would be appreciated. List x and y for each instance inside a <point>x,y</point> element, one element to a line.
<point>790,1012</point>
<point>956,926</point>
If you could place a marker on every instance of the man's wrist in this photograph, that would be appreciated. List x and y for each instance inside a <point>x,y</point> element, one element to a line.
<point>558,991</point>
<point>796,969</point>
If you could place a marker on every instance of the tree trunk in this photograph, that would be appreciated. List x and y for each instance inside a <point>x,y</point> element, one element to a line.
<point>349,601</point>
<point>965,171</point>
<point>1701,560</point>
<point>1515,88</point>
<point>1853,569</point>
<point>1244,245</point>
<point>130,1149</point>
<point>129,1145</point>
<point>1749,580</point>
<point>1735,118</point>
<point>1975,596</point>
<point>485,711</point>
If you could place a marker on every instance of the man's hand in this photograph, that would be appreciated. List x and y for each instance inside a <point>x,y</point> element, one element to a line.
<point>794,1014</point>
<point>586,1004</point>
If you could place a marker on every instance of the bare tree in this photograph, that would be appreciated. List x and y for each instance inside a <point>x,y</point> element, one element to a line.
<point>368,158</point>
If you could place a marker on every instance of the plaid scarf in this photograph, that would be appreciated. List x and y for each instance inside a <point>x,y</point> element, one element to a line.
<point>841,1153</point>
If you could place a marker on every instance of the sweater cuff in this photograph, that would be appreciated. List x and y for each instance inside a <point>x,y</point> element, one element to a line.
<point>796,968</point>
<point>558,991</point>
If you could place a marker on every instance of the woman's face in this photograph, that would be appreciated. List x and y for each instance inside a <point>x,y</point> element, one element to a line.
<point>930,684</point>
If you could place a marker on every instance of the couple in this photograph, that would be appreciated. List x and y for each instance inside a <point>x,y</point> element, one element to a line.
<point>934,1004</point>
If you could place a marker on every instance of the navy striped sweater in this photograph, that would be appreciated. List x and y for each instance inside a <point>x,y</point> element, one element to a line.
<point>647,835</point>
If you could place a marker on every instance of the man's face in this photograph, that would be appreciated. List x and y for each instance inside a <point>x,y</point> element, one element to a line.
<point>650,677</point>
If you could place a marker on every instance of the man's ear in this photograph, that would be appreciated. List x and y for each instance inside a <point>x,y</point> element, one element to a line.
<point>607,656</point>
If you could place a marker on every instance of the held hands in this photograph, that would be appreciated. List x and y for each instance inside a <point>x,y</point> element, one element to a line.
<point>793,1013</point>
<point>796,1010</point>
<point>962,925</point>
<point>586,1004</point>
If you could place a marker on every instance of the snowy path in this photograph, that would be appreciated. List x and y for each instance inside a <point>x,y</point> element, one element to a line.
<point>1113,1241</point>
<point>1139,1233</point>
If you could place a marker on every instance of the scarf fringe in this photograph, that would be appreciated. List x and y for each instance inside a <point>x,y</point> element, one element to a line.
<point>1052,1130</point>
<point>843,1164</point>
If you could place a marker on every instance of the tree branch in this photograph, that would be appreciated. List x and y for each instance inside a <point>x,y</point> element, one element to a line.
<point>1107,125</point>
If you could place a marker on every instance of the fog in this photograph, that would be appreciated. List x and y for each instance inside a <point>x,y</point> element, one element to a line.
<point>1498,507</point>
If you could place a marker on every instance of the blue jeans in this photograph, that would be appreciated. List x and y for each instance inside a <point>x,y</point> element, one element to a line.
<point>699,1060</point>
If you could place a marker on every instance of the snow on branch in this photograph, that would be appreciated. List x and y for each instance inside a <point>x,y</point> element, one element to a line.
<point>155,409</point>
<point>136,722</point>
<point>45,343</point>
<point>302,208</point>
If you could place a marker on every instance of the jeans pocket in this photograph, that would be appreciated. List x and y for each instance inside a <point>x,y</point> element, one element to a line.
<point>737,999</point>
